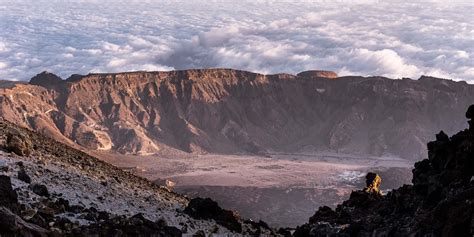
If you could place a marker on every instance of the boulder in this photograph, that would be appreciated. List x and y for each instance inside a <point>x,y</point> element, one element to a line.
<point>8,196</point>
<point>201,208</point>
<point>23,176</point>
<point>40,189</point>
<point>18,144</point>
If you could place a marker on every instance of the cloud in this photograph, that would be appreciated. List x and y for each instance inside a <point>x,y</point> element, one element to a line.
<point>3,65</point>
<point>388,38</point>
<point>380,62</point>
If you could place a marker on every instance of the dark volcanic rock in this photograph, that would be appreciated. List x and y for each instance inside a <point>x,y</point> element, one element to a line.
<point>439,203</point>
<point>40,189</point>
<point>8,196</point>
<point>470,116</point>
<point>13,225</point>
<point>208,209</point>
<point>121,226</point>
<point>23,176</point>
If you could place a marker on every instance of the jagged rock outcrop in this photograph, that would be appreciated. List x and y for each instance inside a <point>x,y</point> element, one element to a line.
<point>470,116</point>
<point>205,208</point>
<point>231,111</point>
<point>372,181</point>
<point>439,203</point>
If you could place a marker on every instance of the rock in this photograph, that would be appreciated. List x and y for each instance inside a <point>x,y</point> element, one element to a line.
<point>8,197</point>
<point>199,233</point>
<point>3,166</point>
<point>23,176</point>
<point>201,208</point>
<point>442,137</point>
<point>470,115</point>
<point>13,225</point>
<point>40,189</point>
<point>373,181</point>
<point>18,144</point>
<point>206,95</point>
<point>470,112</point>
<point>46,79</point>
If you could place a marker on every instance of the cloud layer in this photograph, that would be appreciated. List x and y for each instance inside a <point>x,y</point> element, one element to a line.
<point>393,39</point>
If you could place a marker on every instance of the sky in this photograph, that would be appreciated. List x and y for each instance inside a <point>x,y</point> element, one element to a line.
<point>395,39</point>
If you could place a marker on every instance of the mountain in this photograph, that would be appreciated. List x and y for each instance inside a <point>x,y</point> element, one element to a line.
<point>50,189</point>
<point>230,111</point>
<point>439,203</point>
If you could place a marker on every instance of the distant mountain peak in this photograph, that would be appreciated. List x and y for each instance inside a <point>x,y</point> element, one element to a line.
<point>46,79</point>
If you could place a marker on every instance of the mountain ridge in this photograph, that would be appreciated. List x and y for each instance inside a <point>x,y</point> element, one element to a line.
<point>232,111</point>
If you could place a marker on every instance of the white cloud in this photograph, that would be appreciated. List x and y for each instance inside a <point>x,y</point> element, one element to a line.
<point>388,38</point>
<point>381,62</point>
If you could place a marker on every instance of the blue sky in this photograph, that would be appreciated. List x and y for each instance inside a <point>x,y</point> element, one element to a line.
<point>387,38</point>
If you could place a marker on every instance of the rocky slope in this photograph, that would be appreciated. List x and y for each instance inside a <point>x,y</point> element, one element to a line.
<point>439,203</point>
<point>231,111</point>
<point>50,189</point>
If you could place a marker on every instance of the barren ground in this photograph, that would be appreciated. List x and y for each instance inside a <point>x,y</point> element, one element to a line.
<point>293,185</point>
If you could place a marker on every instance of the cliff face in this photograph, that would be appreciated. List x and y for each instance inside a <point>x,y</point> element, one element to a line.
<point>439,203</point>
<point>231,111</point>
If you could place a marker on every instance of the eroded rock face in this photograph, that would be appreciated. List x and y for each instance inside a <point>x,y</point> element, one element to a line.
<point>231,111</point>
<point>439,203</point>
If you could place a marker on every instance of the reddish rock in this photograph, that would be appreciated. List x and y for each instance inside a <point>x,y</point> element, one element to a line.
<point>231,111</point>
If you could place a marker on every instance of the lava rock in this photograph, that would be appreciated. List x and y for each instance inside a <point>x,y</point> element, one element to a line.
<point>470,115</point>
<point>13,225</point>
<point>201,208</point>
<point>8,197</point>
<point>23,176</point>
<point>40,189</point>
<point>470,112</point>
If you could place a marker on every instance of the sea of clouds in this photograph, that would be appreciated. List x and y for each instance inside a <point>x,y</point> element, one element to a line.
<point>387,38</point>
